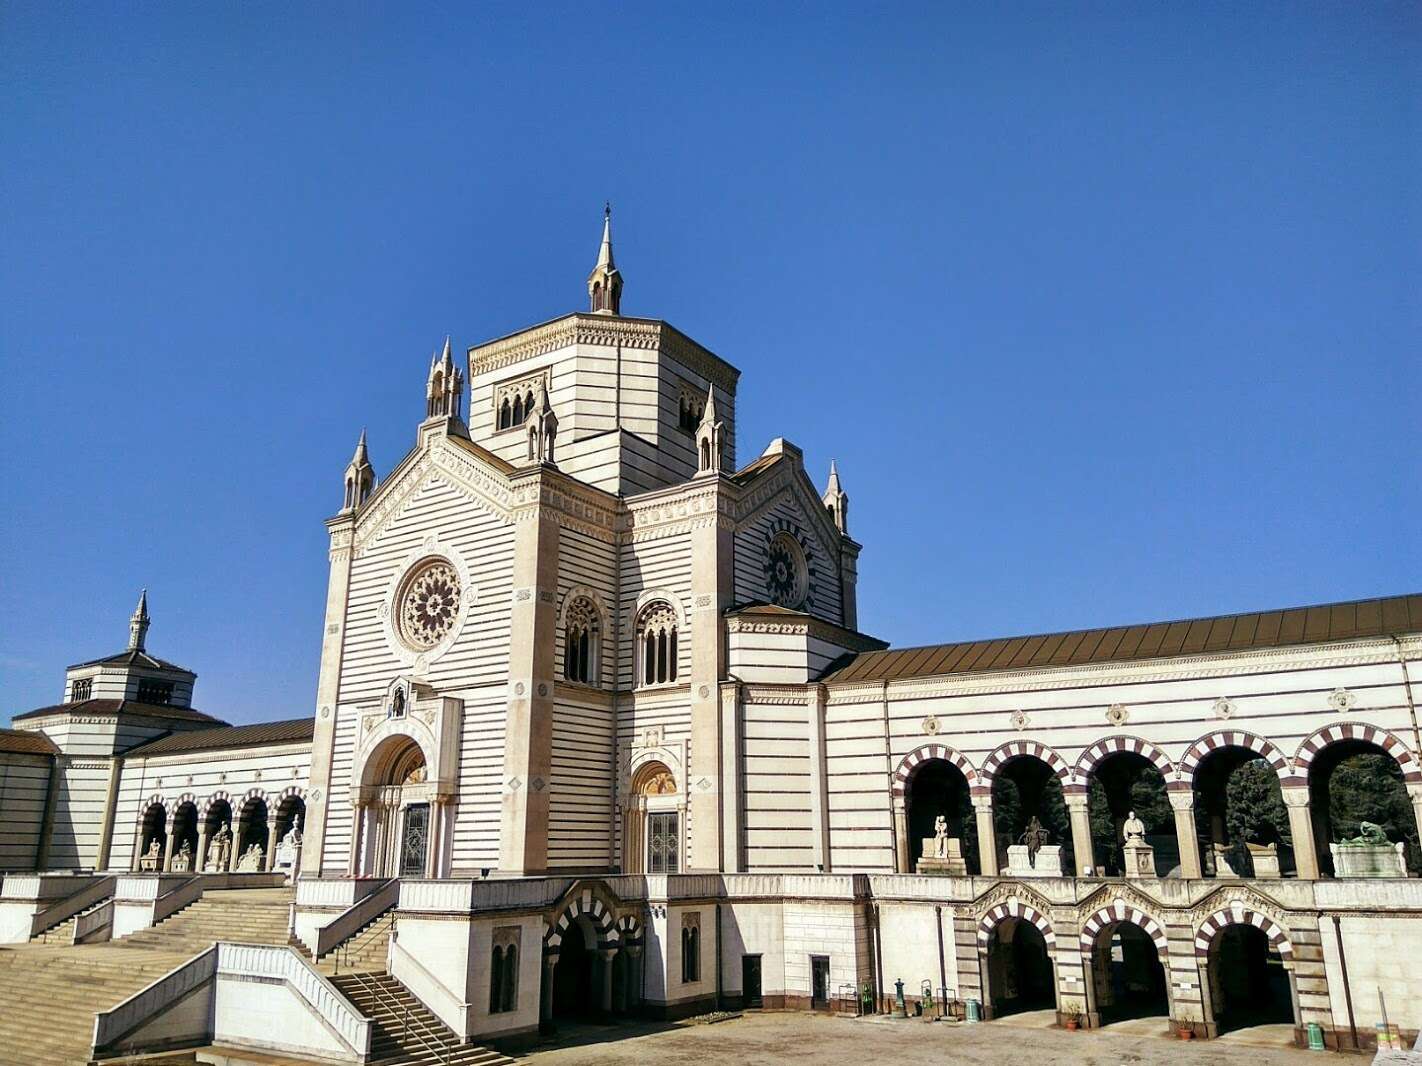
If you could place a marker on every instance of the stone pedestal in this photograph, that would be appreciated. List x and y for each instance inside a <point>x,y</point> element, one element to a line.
<point>1368,860</point>
<point>1265,858</point>
<point>1049,861</point>
<point>1223,870</point>
<point>951,864</point>
<point>1139,858</point>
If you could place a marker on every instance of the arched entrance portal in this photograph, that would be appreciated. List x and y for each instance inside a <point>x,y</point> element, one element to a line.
<point>152,838</point>
<point>1019,969</point>
<point>1026,787</point>
<point>1354,781</point>
<point>1127,971</point>
<point>183,852</point>
<point>573,997</point>
<point>1248,983</point>
<point>394,812</point>
<point>937,787</point>
<point>1123,782</point>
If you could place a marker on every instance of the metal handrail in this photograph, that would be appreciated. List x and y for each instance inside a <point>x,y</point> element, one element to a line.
<point>377,989</point>
<point>381,924</point>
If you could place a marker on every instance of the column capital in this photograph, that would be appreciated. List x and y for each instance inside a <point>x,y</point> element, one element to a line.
<point>1295,795</point>
<point>1182,801</point>
<point>982,803</point>
<point>1076,800</point>
<point>1414,789</point>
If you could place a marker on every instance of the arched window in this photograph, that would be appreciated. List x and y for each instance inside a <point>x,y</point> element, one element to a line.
<point>581,633</point>
<point>505,415</point>
<point>517,411</point>
<point>350,492</point>
<point>657,632</point>
<point>691,948</point>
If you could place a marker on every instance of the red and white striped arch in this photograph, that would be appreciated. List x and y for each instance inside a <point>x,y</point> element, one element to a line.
<point>1216,924</point>
<point>1341,731</point>
<point>1018,749</point>
<point>920,755</point>
<point>1103,749</point>
<point>1232,738</point>
<point>1014,908</point>
<point>1117,912</point>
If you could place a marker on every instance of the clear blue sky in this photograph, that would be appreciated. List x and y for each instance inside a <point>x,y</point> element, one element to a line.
<point>1108,314</point>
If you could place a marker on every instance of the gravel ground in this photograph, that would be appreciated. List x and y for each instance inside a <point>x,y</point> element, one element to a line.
<point>806,1038</point>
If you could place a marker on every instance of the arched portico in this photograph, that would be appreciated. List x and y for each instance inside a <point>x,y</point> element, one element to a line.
<point>1021,780</point>
<point>1247,971</point>
<point>399,826</point>
<point>1016,960</point>
<point>930,781</point>
<point>1126,962</point>
<point>580,956</point>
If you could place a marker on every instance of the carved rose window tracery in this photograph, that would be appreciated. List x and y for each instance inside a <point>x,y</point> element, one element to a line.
<point>785,572</point>
<point>429,605</point>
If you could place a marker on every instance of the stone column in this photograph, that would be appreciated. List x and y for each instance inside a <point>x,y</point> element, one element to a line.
<point>1301,829</point>
<point>987,836</point>
<point>333,639</point>
<point>1415,791</point>
<point>167,854</point>
<point>819,780</point>
<point>353,860</point>
<point>236,852</point>
<point>903,850</point>
<point>545,992</point>
<point>1182,801</point>
<point>528,730</point>
<point>434,834</point>
<point>606,990</point>
<point>634,976</point>
<point>1080,816</point>
<point>200,856</point>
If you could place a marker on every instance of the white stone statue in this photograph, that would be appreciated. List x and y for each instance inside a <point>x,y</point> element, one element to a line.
<point>1134,829</point>
<point>220,850</point>
<point>251,859</point>
<point>151,857</point>
<point>940,837</point>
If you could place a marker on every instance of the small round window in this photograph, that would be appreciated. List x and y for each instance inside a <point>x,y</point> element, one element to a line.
<point>429,604</point>
<point>786,579</point>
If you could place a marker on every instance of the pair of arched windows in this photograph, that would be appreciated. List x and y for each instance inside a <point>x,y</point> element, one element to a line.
<point>690,414</point>
<point>503,979</point>
<point>657,638</point>
<point>581,639</point>
<point>514,413</point>
<point>690,952</point>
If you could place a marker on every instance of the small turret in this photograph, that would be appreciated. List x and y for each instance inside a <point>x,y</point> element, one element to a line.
<point>542,428</point>
<point>444,388</point>
<point>360,477</point>
<point>605,282</point>
<point>138,623</point>
<point>708,437</point>
<point>836,501</point>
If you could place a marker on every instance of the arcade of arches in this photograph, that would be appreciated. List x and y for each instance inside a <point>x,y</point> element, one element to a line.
<point>1234,811</point>
<point>262,835</point>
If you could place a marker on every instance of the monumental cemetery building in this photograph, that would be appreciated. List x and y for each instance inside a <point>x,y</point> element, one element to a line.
<point>596,731</point>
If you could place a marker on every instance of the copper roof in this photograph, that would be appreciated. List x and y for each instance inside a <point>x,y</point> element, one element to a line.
<point>134,657</point>
<point>1234,632</point>
<point>26,742</point>
<point>292,731</point>
<point>114,707</point>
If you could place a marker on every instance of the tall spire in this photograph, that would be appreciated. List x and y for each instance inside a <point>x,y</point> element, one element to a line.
<point>138,623</point>
<point>359,479</point>
<point>444,389</point>
<point>605,281</point>
<point>836,501</point>
<point>708,437</point>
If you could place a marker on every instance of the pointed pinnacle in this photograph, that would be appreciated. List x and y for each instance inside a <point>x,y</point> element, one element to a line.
<point>141,611</point>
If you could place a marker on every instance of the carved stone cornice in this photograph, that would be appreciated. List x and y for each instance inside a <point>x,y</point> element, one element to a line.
<point>606,332</point>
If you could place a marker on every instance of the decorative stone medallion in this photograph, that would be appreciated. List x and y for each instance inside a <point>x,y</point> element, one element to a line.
<point>1020,720</point>
<point>931,725</point>
<point>704,691</point>
<point>1342,700</point>
<point>1117,714</point>
<point>1224,707</point>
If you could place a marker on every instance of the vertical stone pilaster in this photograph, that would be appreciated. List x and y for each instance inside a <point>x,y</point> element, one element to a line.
<point>712,790</point>
<point>849,581</point>
<point>966,958</point>
<point>819,780</point>
<point>1182,801</point>
<point>528,732</point>
<point>1185,977</point>
<point>1080,816</point>
<point>987,836</point>
<point>328,683</point>
<point>903,855</point>
<point>1296,799</point>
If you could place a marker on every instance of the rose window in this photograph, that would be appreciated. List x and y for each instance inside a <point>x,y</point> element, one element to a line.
<point>430,605</point>
<point>785,572</point>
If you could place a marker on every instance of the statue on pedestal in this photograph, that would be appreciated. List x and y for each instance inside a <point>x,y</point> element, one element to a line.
<point>1035,838</point>
<point>1139,855</point>
<point>251,859</point>
<point>1134,829</point>
<point>940,837</point>
<point>183,860</point>
<point>151,857</point>
<point>220,850</point>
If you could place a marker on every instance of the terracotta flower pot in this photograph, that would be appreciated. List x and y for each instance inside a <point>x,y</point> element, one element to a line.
<point>1185,1033</point>
<point>1071,1023</point>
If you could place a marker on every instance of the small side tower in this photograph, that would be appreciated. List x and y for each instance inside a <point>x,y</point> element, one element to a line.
<point>360,478</point>
<point>444,389</point>
<point>605,281</point>
<point>542,429</point>
<point>708,437</point>
<point>837,502</point>
<point>138,623</point>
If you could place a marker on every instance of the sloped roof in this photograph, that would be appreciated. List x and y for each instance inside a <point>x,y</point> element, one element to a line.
<point>1356,619</point>
<point>755,468</point>
<point>291,731</point>
<point>115,707</point>
<point>26,742</point>
<point>134,657</point>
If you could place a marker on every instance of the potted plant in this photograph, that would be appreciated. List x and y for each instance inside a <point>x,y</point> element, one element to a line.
<point>1071,1022</point>
<point>1185,1031</point>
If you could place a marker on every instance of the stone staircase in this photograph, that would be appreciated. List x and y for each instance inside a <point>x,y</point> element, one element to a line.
<point>406,1032</point>
<point>63,933</point>
<point>51,991</point>
<point>364,952</point>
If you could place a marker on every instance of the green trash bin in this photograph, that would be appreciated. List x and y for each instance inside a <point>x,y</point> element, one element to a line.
<point>975,1011</point>
<point>1315,1037</point>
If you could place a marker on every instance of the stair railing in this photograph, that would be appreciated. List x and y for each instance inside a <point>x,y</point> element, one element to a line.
<point>355,947</point>
<point>70,905</point>
<point>356,917</point>
<point>406,1015</point>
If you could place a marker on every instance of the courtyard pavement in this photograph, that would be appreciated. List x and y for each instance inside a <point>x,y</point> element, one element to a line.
<point>773,1038</point>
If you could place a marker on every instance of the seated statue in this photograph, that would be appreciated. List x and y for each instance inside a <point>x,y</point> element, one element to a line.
<point>152,856</point>
<point>251,859</point>
<point>1369,835</point>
